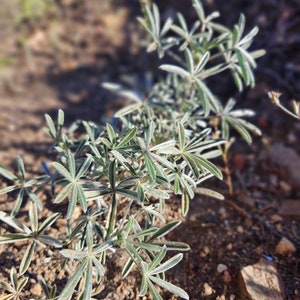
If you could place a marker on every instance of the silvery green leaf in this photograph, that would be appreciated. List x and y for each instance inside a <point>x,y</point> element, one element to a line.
<point>178,30</point>
<point>153,290</point>
<point>73,254</point>
<point>240,128</point>
<point>33,217</point>
<point>248,57</point>
<point>13,237</point>
<point>18,203</point>
<point>63,193</point>
<point>11,221</point>
<point>241,25</point>
<point>258,53</point>
<point>212,154</point>
<point>203,61</point>
<point>242,113</point>
<point>155,213</point>
<point>189,60</point>
<point>160,147</point>
<point>244,65</point>
<point>150,166</point>
<point>33,197</point>
<point>210,193</point>
<point>20,165</point>
<point>84,167</point>
<point>60,117</point>
<point>27,258</point>
<point>157,259</point>
<point>170,287</point>
<point>199,10</point>
<point>144,233</point>
<point>62,170</point>
<point>175,70</point>
<point>81,197</point>
<point>169,264</point>
<point>143,287</point>
<point>237,79</point>
<point>248,38</point>
<point>51,126</point>
<point>181,136</point>
<point>44,286</point>
<point>128,109</point>
<point>104,246</point>
<point>48,222</point>
<point>185,203</point>
<point>99,267</point>
<point>49,240</point>
<point>174,246</point>
<point>71,165</point>
<point>7,174</point>
<point>163,160</point>
<point>147,246</point>
<point>128,137</point>
<point>166,26</point>
<point>72,282</point>
<point>88,283</point>
<point>9,189</point>
<point>128,193</point>
<point>7,287</point>
<point>127,267</point>
<point>22,283</point>
<point>206,164</point>
<point>165,230</point>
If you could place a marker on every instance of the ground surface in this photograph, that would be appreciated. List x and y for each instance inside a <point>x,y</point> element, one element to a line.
<point>60,62</point>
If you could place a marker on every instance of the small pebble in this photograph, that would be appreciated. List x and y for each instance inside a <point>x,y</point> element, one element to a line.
<point>285,246</point>
<point>207,290</point>
<point>240,229</point>
<point>221,268</point>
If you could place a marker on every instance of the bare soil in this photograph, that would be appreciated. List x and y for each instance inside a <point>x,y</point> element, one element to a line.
<point>61,61</point>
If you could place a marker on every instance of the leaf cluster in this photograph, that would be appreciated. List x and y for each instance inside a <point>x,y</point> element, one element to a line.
<point>121,176</point>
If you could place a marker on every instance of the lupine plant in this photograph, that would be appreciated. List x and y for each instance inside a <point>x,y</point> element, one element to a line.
<point>119,176</point>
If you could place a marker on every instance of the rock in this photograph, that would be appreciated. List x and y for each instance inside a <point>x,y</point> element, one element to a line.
<point>221,268</point>
<point>36,289</point>
<point>260,281</point>
<point>290,209</point>
<point>207,290</point>
<point>285,246</point>
<point>288,161</point>
<point>276,218</point>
